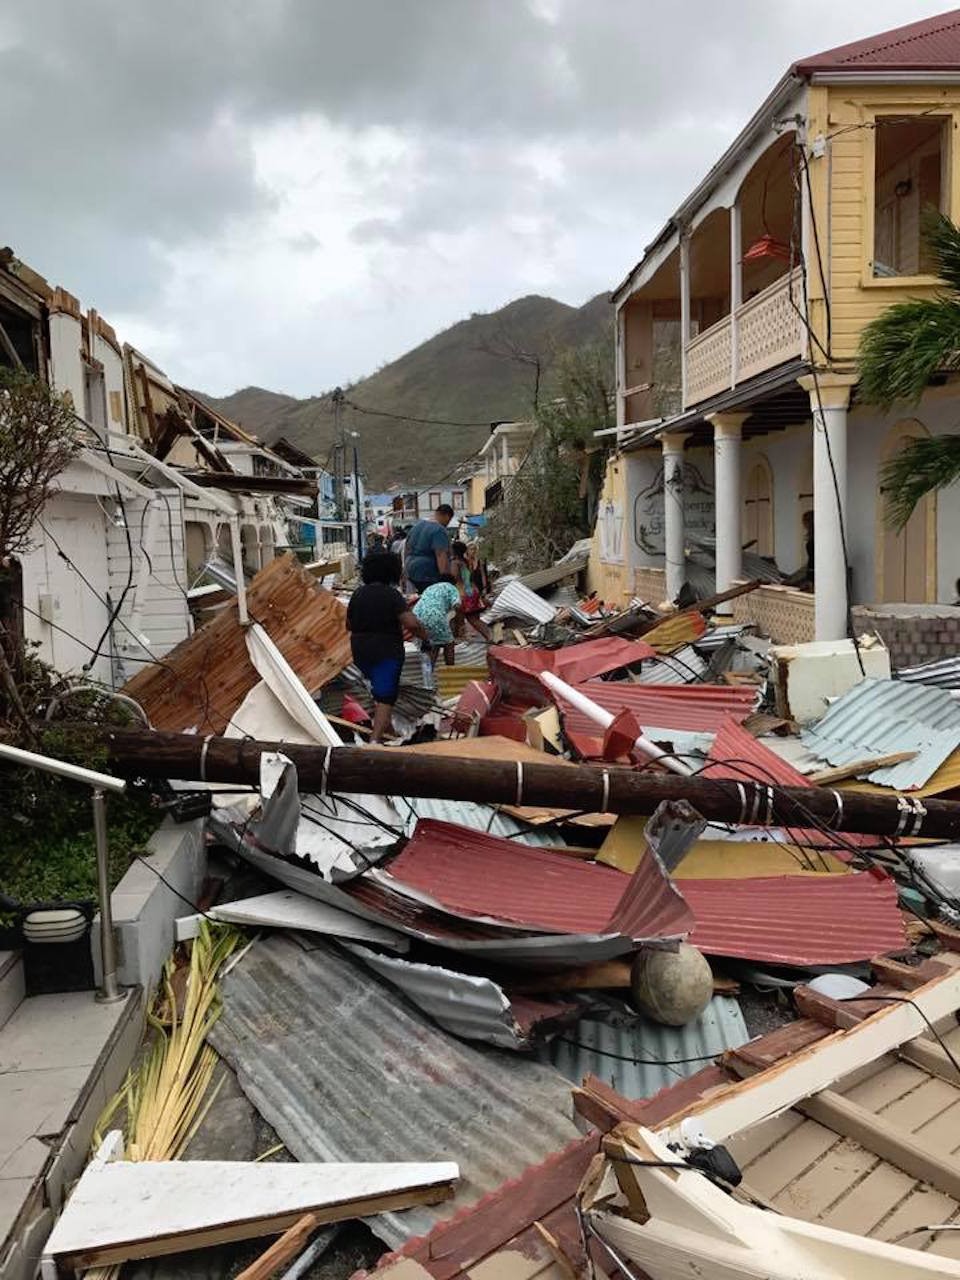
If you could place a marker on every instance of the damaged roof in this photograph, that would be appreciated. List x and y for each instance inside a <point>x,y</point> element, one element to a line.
<point>345,1069</point>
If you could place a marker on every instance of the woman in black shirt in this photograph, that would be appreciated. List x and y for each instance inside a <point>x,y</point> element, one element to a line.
<point>376,616</point>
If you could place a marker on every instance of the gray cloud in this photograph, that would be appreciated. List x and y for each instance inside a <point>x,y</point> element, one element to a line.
<point>452,154</point>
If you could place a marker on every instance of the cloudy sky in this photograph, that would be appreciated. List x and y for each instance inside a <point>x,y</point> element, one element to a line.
<point>293,192</point>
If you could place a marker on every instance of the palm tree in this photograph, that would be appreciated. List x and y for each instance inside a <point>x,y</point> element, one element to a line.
<point>899,353</point>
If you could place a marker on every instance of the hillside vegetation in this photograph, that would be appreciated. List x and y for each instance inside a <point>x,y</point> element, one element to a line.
<point>479,371</point>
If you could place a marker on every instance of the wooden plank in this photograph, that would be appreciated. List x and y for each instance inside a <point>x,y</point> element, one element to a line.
<point>818,1067</point>
<point>921,1208</point>
<point>757,1055</point>
<point>929,1057</point>
<point>906,976</point>
<point>870,1201</point>
<point>874,1132</point>
<point>826,777</point>
<point>748,1146</point>
<point>772,1172</point>
<point>886,1086</point>
<point>287,1247</point>
<point>126,1209</point>
<point>829,1180</point>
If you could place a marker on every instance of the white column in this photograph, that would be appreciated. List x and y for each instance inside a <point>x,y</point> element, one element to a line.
<point>727,504</point>
<point>684,310</point>
<point>829,398</point>
<point>673,534</point>
<point>736,289</point>
<point>621,339</point>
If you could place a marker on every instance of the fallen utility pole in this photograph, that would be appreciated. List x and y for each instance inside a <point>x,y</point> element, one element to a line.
<point>141,753</point>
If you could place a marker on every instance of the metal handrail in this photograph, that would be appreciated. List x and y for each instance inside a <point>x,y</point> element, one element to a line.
<point>100,784</point>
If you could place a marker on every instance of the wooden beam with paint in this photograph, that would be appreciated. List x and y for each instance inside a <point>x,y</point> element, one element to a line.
<point>819,1066</point>
<point>122,1209</point>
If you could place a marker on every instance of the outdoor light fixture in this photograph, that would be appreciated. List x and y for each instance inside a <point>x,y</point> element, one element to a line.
<point>767,247</point>
<point>54,924</point>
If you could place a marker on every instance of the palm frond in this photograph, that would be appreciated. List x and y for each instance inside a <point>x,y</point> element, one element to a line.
<point>905,346</point>
<point>943,238</point>
<point>918,469</point>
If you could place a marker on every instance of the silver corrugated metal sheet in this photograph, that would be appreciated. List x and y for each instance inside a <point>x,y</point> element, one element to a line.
<point>465,1004</point>
<point>589,1048</point>
<point>345,1069</point>
<point>479,817</point>
<point>518,601</point>
<point>945,672</point>
<point>879,717</point>
<point>541,578</point>
<point>718,636</point>
<point>683,667</point>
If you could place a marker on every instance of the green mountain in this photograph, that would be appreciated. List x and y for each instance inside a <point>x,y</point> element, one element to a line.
<point>477,372</point>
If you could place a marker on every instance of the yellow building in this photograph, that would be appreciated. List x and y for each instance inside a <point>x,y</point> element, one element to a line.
<point>737,334</point>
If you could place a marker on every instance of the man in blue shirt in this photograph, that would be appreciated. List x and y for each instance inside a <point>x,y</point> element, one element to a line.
<point>426,555</point>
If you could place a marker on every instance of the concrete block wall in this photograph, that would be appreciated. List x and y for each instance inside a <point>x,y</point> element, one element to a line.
<point>913,633</point>
<point>145,908</point>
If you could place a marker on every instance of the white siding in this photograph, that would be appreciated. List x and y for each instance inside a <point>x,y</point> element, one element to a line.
<point>164,617</point>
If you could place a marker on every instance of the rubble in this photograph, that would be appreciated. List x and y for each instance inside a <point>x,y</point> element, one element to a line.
<point>447,932</point>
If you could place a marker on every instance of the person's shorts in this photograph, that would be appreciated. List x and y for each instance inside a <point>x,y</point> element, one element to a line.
<point>384,677</point>
<point>419,587</point>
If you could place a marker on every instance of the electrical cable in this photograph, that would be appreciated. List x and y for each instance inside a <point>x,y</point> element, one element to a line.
<point>403,417</point>
<point>868,998</point>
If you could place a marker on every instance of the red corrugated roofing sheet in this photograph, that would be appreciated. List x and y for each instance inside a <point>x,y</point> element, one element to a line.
<point>797,920</point>
<point>738,755</point>
<point>698,708</point>
<point>483,877</point>
<point>933,44</point>
<point>515,669</point>
<point>790,920</point>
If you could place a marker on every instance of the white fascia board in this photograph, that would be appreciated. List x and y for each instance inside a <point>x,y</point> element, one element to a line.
<point>885,77</point>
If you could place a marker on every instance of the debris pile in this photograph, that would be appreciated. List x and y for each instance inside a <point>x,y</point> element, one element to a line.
<point>604,851</point>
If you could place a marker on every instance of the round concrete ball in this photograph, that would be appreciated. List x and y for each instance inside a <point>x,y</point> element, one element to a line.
<point>672,987</point>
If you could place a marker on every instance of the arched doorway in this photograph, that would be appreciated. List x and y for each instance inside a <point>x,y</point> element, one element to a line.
<point>757,525</point>
<point>906,559</point>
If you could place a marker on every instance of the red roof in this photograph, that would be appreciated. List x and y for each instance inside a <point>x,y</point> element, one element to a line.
<point>932,44</point>
<point>515,669</point>
<point>481,877</point>
<point>699,708</point>
<point>797,920</point>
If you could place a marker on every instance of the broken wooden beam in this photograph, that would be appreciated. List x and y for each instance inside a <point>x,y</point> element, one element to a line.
<point>134,753</point>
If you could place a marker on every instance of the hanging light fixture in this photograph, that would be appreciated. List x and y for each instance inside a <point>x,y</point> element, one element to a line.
<point>767,247</point>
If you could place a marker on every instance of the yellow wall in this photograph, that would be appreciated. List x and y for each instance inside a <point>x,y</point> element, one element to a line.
<point>843,194</point>
<point>610,580</point>
<point>476,493</point>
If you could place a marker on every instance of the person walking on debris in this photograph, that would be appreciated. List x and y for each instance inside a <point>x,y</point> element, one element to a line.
<point>426,554</point>
<point>376,616</point>
<point>433,610</point>
<point>470,578</point>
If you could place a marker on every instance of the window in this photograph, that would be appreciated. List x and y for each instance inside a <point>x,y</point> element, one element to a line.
<point>910,152</point>
<point>435,499</point>
<point>457,500</point>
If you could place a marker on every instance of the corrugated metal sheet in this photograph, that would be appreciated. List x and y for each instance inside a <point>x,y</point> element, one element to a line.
<point>604,1047</point>
<point>345,1069</point>
<point>930,44</point>
<point>682,667</point>
<point>480,817</point>
<point>678,630</point>
<point>797,920</point>
<point>515,669</point>
<point>484,878</point>
<point>541,578</point>
<point>699,708</point>
<point>518,601</point>
<point>450,681</point>
<point>469,1006</point>
<point>204,679</point>
<point>737,755</point>
<point>879,717</point>
<point>945,673</point>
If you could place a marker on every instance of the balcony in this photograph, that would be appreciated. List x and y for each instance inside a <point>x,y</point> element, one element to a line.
<point>765,331</point>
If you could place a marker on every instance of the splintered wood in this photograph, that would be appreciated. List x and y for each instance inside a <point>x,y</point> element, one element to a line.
<point>201,682</point>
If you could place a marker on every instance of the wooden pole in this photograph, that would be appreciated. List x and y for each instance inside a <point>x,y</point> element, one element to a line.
<point>134,753</point>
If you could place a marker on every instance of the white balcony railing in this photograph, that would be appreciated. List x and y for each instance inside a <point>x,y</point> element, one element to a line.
<point>762,333</point>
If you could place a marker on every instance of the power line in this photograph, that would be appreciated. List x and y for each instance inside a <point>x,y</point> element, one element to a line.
<point>406,417</point>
